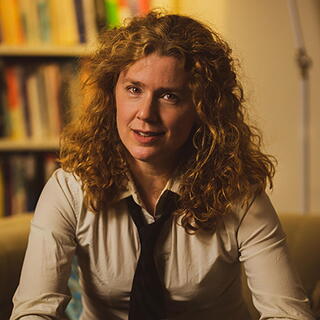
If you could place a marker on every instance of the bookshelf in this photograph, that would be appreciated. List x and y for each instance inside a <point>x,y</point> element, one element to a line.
<point>46,50</point>
<point>9,145</point>
<point>41,42</point>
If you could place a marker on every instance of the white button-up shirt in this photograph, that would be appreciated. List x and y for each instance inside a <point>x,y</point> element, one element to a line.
<point>201,271</point>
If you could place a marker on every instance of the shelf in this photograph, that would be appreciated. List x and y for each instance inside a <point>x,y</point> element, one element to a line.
<point>46,50</point>
<point>29,145</point>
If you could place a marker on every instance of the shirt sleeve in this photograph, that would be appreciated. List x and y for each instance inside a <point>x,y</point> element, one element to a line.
<point>42,292</point>
<point>276,290</point>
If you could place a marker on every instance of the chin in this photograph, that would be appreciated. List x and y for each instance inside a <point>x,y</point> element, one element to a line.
<point>148,157</point>
<point>144,157</point>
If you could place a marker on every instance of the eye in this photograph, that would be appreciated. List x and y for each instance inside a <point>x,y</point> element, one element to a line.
<point>170,97</point>
<point>133,90</point>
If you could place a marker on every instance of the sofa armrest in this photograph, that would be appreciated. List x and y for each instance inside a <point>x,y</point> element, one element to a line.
<point>14,232</point>
<point>303,240</point>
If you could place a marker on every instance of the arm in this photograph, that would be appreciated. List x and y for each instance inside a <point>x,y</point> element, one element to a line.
<point>43,292</point>
<point>275,287</point>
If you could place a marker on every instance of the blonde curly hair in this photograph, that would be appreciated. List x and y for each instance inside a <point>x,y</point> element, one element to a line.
<point>224,161</point>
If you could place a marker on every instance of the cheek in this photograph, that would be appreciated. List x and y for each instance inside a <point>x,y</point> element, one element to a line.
<point>122,114</point>
<point>122,121</point>
<point>183,126</point>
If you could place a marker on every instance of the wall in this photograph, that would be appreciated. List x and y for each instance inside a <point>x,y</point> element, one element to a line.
<point>261,36</point>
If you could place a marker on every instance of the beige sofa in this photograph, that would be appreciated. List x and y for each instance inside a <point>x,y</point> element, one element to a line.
<point>303,236</point>
<point>303,233</point>
<point>13,241</point>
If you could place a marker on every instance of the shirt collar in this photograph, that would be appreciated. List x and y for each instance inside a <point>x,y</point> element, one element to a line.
<point>172,185</point>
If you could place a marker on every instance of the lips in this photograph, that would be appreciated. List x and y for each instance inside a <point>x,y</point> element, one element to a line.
<point>147,137</point>
<point>148,133</point>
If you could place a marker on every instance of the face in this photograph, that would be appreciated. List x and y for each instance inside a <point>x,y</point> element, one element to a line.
<point>154,108</point>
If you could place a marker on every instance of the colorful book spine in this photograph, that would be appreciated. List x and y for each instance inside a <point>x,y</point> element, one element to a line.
<point>22,177</point>
<point>43,102</point>
<point>44,21</point>
<point>2,190</point>
<point>112,13</point>
<point>14,102</point>
<point>6,173</point>
<point>100,13</point>
<point>33,181</point>
<point>37,126</point>
<point>67,22</point>
<point>18,192</point>
<point>64,22</point>
<point>78,5</point>
<point>12,30</point>
<point>37,100</point>
<point>30,18</point>
<point>144,6</point>
<point>25,102</point>
<point>89,17</point>
<point>4,114</point>
<point>52,81</point>
<point>124,10</point>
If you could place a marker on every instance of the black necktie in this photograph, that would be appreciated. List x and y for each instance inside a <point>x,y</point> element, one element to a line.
<point>147,298</point>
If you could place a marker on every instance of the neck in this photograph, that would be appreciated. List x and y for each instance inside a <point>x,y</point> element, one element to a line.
<point>150,181</point>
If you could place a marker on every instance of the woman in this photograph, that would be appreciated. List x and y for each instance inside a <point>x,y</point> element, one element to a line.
<point>161,191</point>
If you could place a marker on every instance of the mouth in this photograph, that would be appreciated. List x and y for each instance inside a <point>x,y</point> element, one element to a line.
<point>148,133</point>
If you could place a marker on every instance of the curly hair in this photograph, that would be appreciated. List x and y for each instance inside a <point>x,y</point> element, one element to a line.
<point>224,163</point>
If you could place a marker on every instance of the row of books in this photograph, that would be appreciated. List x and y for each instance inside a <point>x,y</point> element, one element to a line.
<point>22,177</point>
<point>35,98</point>
<point>62,22</point>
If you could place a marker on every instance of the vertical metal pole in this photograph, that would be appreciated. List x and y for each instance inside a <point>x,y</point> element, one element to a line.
<point>304,64</point>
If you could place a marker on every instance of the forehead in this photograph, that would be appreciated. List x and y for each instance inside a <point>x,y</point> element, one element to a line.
<point>155,68</point>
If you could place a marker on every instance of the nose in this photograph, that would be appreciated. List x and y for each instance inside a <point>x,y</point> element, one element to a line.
<point>148,110</point>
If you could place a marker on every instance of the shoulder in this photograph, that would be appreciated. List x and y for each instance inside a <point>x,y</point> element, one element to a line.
<point>257,213</point>
<point>257,204</point>
<point>257,222</point>
<point>66,183</point>
<point>61,196</point>
<point>64,178</point>
<point>259,209</point>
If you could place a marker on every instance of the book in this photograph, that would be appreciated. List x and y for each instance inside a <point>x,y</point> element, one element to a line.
<point>1,34</point>
<point>38,100</point>
<point>4,113</point>
<point>100,11</point>
<point>10,22</point>
<point>112,13</point>
<point>78,5</point>
<point>64,22</point>
<point>6,173</point>
<point>18,190</point>
<point>14,102</point>
<point>124,10</point>
<point>30,20</point>
<point>52,81</point>
<point>65,94</point>
<point>2,188</point>
<point>22,178</point>
<point>90,22</point>
<point>134,7</point>
<point>144,6</point>
<point>33,179</point>
<point>37,127</point>
<point>44,21</point>
<point>75,91</point>
<point>25,102</point>
<point>43,102</point>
